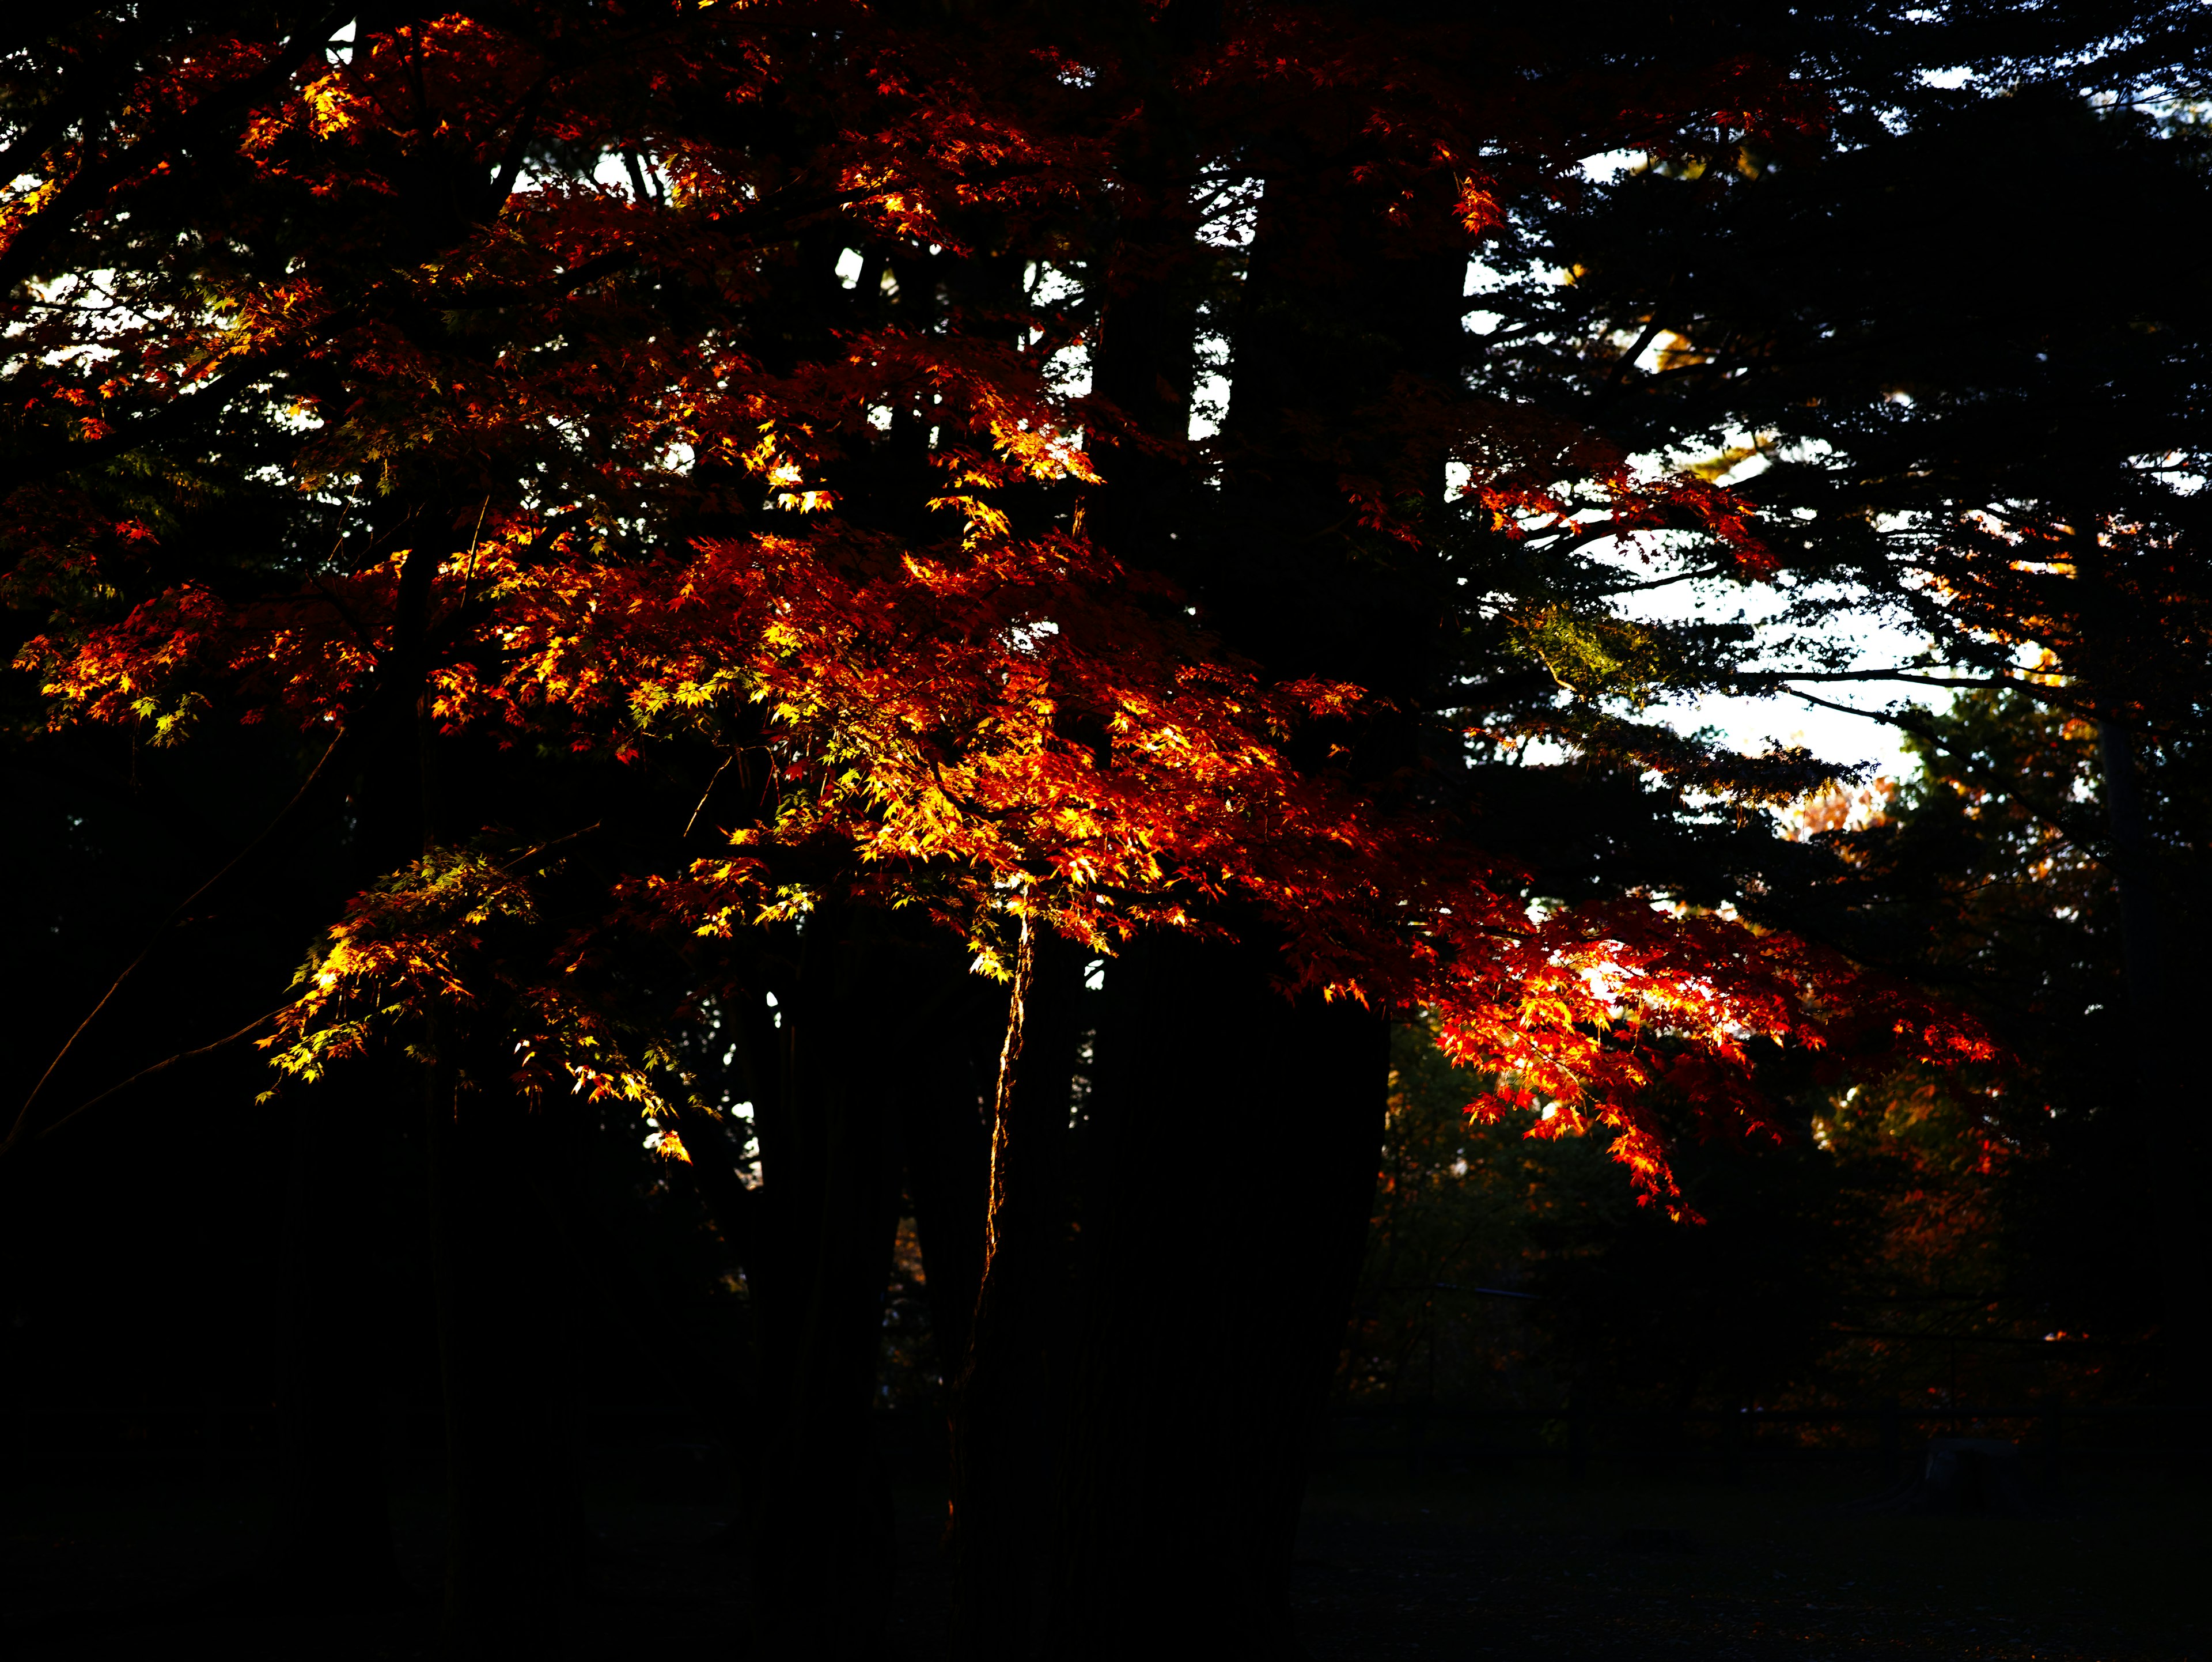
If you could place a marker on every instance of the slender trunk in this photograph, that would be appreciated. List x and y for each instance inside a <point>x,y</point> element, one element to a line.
<point>999,1448</point>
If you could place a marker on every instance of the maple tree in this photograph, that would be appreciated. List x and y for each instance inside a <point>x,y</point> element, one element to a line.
<point>632,450</point>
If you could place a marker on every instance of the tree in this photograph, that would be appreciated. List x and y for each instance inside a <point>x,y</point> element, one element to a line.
<point>1985,877</point>
<point>623,450</point>
<point>2008,465</point>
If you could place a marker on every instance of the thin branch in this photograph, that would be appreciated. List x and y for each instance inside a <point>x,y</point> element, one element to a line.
<point>146,1073</point>
<point>1717,570</point>
<point>469,576</point>
<point>709,791</point>
<point>50,454</point>
<point>492,296</point>
<point>1928,736</point>
<point>1009,1056</point>
<point>80,88</point>
<point>529,854</point>
<point>23,1114</point>
<point>1781,676</point>
<point>1887,718</point>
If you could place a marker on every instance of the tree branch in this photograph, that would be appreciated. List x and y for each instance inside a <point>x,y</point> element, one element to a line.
<point>160,1066</point>
<point>15,1133</point>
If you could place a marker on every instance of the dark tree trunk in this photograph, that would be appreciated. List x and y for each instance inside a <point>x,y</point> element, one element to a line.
<point>607,1254</point>
<point>331,1541</point>
<point>1238,1130</point>
<point>2173,1139</point>
<point>516,1534</point>
<point>1238,1136</point>
<point>820,1521</point>
<point>331,1547</point>
<point>946,1140</point>
<point>1348,352</point>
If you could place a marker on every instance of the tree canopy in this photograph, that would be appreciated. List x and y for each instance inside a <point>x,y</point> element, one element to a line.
<point>797,570</point>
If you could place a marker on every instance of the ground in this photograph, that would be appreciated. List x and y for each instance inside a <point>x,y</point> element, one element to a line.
<point>1497,1564</point>
<point>1776,1567</point>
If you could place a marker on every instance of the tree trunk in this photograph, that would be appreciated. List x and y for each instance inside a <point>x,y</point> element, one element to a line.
<point>332,1546</point>
<point>1000,1455</point>
<point>515,1541</point>
<point>2173,1140</point>
<point>820,1523</point>
<point>947,1147</point>
<point>1240,1132</point>
<point>515,1533</point>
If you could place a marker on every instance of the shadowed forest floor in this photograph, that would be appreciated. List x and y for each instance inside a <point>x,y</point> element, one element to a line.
<point>1499,1567</point>
<point>1771,1569</point>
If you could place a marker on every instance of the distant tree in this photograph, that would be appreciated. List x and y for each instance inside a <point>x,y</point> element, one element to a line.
<point>1989,876</point>
<point>2000,452</point>
<point>1508,1268</point>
